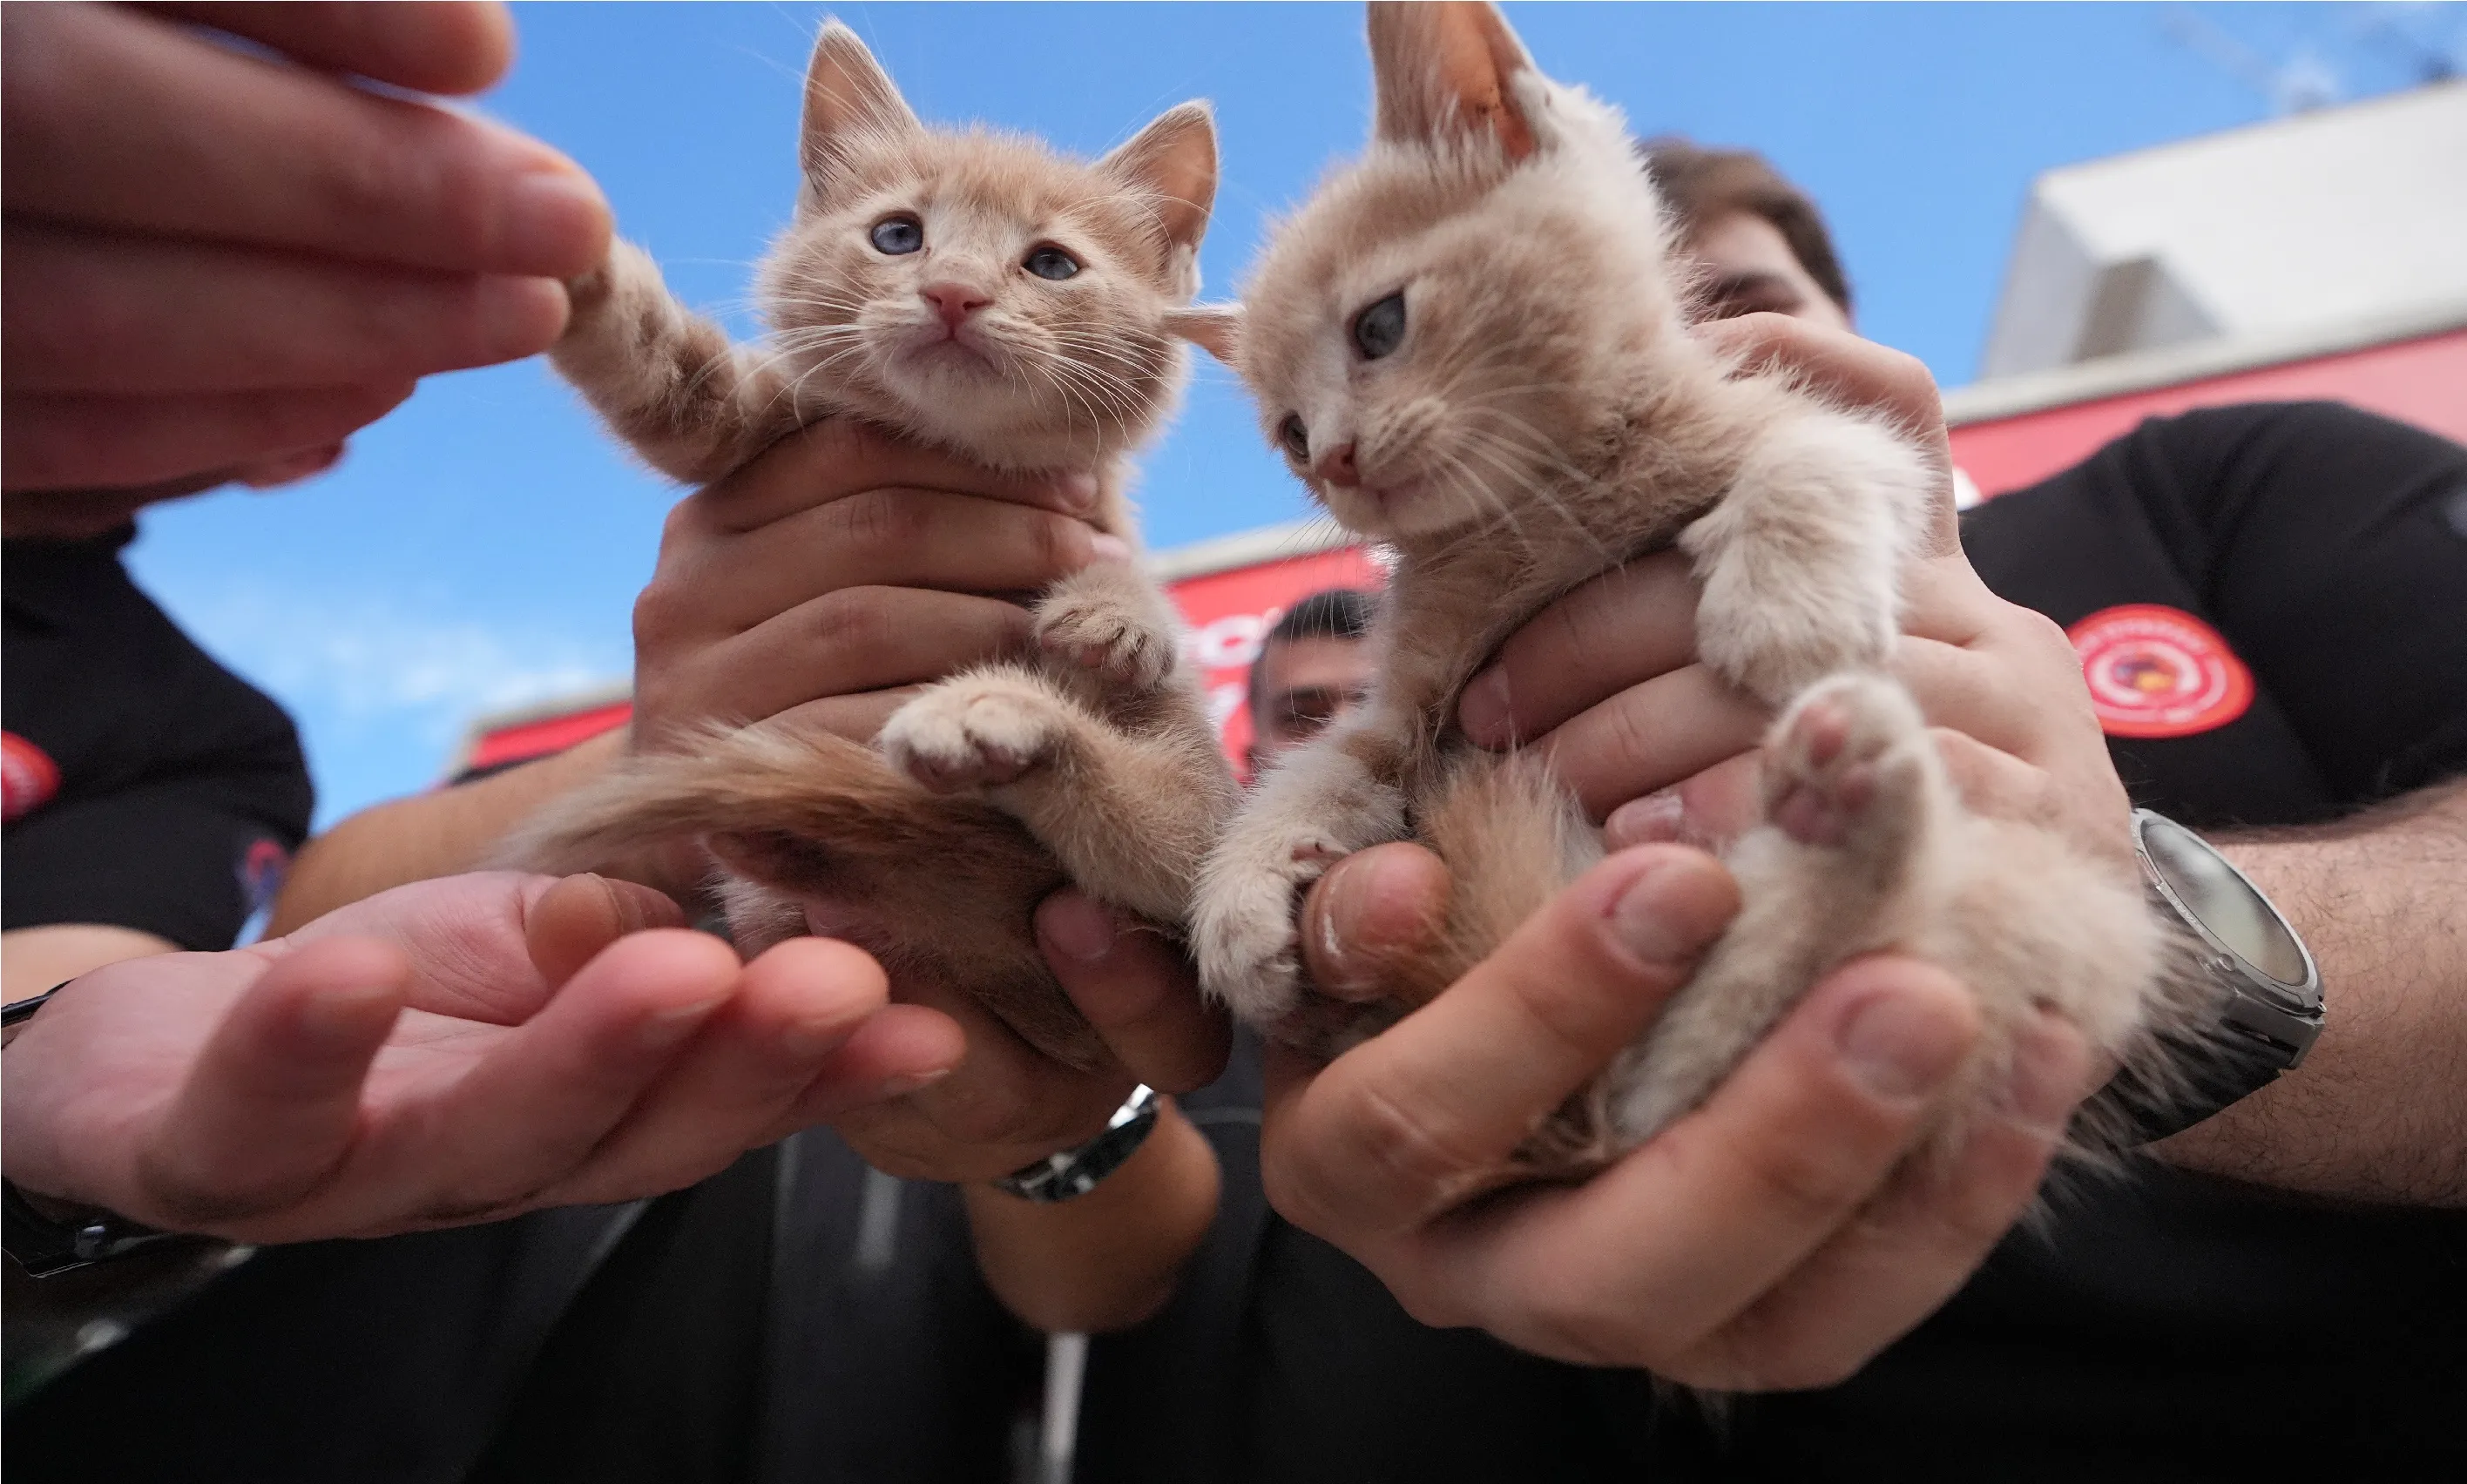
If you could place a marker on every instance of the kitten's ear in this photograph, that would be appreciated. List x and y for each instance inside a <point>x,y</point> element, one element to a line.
<point>1445,70</point>
<point>847,95</point>
<point>1175,156</point>
<point>1216,328</point>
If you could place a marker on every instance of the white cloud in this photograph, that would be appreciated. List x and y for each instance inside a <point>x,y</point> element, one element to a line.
<point>372,664</point>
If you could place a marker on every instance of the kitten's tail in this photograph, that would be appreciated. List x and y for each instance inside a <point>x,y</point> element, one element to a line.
<point>781,804</point>
<point>1512,836</point>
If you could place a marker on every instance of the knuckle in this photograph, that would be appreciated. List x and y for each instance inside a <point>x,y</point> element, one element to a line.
<point>850,621</point>
<point>875,522</point>
<point>661,609</point>
<point>1396,1149</point>
<point>1798,1185</point>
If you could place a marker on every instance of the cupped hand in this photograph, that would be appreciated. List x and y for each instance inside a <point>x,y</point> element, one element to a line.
<point>1773,1239</point>
<point>1008,1105</point>
<point>1606,680</point>
<point>838,571</point>
<point>455,1051</point>
<point>222,262</point>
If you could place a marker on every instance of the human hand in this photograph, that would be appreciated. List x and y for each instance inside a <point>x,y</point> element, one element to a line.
<point>221,264</point>
<point>839,571</point>
<point>1773,1239</point>
<point>456,1050</point>
<point>1605,681</point>
<point>1008,1105</point>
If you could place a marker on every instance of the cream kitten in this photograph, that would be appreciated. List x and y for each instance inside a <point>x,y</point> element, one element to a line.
<point>1470,345</point>
<point>980,293</point>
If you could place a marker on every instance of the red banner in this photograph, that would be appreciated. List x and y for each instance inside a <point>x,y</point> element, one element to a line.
<point>2421,380</point>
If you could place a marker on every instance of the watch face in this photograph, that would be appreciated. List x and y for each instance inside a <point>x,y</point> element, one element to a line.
<point>2221,900</point>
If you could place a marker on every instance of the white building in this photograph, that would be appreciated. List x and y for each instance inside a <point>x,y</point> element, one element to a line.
<point>2340,217</point>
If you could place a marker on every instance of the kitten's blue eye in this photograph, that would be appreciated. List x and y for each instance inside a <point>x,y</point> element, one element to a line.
<point>1294,438</point>
<point>1051,262</point>
<point>1381,327</point>
<point>896,236</point>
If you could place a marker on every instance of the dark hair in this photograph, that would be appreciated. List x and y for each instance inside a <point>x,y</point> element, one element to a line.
<point>1702,184</point>
<point>1331,613</point>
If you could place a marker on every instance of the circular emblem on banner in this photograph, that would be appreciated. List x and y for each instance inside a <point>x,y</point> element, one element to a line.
<point>27,776</point>
<point>2156,671</point>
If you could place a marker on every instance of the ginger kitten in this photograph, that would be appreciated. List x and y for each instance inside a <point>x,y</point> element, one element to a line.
<point>981,293</point>
<point>1471,345</point>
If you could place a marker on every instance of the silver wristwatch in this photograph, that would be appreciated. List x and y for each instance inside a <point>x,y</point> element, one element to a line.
<point>2268,1005</point>
<point>1075,1172</point>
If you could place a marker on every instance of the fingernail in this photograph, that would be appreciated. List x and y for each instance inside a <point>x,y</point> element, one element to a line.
<point>670,1027</point>
<point>1080,928</point>
<point>1656,819</point>
<point>1109,549</point>
<point>811,1040</point>
<point>902,1086</point>
<point>518,317</point>
<point>557,224</point>
<point>1669,912</point>
<point>1899,1046</point>
<point>1341,895</point>
<point>1483,710</point>
<point>2049,1065</point>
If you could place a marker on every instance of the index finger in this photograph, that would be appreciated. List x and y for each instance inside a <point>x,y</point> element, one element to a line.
<point>118,120</point>
<point>839,457</point>
<point>1858,373</point>
<point>446,46</point>
<point>1620,629</point>
<point>1408,1124</point>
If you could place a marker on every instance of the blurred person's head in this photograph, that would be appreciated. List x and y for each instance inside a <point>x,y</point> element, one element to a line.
<point>1760,241</point>
<point>1312,667</point>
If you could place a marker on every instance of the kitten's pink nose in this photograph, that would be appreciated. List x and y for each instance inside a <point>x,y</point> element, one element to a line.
<point>1335,467</point>
<point>954,302</point>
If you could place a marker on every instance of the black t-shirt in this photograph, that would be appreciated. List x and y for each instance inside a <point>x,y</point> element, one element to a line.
<point>147,786</point>
<point>2272,604</point>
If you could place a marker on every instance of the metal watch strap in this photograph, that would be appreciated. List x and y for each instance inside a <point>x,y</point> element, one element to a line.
<point>43,1245</point>
<point>2246,1046</point>
<point>1074,1172</point>
<point>14,1014</point>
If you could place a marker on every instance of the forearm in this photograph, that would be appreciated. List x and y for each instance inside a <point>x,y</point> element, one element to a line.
<point>437,834</point>
<point>1112,1257</point>
<point>2379,1109</point>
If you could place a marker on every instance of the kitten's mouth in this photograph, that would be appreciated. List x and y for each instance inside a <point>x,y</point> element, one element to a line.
<point>933,345</point>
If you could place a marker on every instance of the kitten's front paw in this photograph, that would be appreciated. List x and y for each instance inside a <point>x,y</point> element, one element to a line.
<point>975,731</point>
<point>1848,759</point>
<point>1242,928</point>
<point>1776,641</point>
<point>1102,631</point>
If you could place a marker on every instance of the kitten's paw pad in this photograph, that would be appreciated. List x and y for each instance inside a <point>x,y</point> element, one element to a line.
<point>1843,745</point>
<point>1096,631</point>
<point>967,735</point>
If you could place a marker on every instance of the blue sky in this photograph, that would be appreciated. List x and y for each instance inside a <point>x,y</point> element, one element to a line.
<point>480,548</point>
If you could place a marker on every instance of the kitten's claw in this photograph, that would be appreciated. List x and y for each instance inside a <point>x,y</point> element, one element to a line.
<point>1096,631</point>
<point>972,732</point>
<point>1845,755</point>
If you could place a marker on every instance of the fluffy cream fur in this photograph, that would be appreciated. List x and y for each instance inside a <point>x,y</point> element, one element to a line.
<point>1094,763</point>
<point>1536,415</point>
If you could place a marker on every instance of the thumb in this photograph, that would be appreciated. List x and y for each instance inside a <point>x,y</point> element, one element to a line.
<point>271,1105</point>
